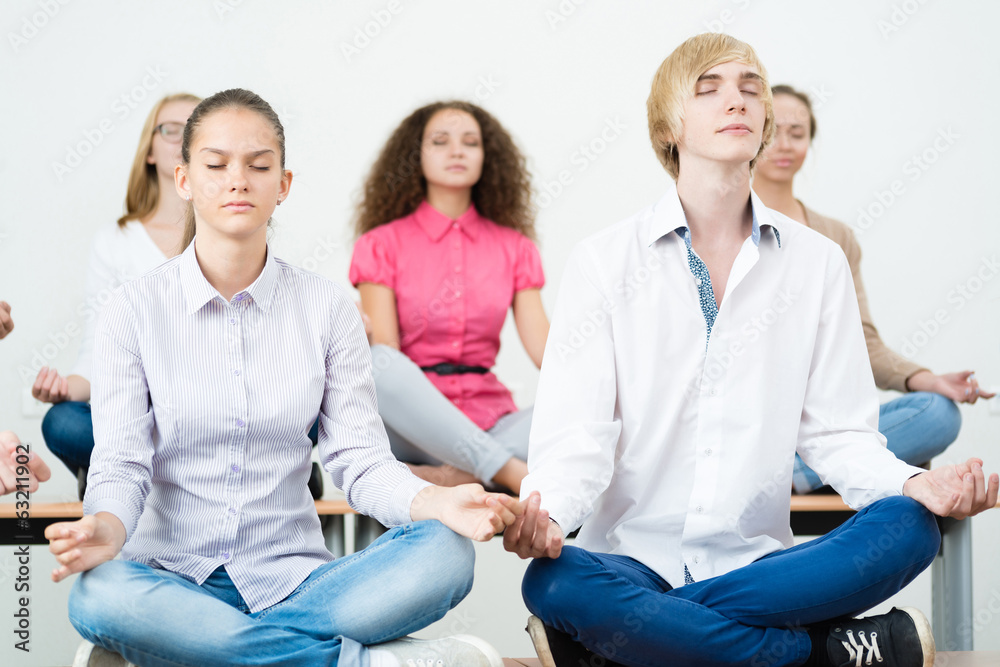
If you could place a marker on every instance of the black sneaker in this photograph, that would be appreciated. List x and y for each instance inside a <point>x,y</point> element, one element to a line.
<point>901,638</point>
<point>557,649</point>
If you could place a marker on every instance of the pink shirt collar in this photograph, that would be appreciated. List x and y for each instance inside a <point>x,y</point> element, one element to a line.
<point>435,223</point>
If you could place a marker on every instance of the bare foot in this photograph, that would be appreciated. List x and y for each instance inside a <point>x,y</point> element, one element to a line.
<point>443,475</point>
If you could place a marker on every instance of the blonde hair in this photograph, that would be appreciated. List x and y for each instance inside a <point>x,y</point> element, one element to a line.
<point>143,192</point>
<point>674,84</point>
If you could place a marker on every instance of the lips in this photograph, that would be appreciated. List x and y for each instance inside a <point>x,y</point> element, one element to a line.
<point>238,206</point>
<point>735,128</point>
<point>456,167</point>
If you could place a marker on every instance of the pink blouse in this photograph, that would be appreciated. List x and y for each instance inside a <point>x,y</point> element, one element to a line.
<point>454,282</point>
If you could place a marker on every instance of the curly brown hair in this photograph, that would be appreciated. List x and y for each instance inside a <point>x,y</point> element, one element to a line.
<point>395,186</point>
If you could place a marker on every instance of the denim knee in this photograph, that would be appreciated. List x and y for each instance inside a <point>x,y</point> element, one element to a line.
<point>912,527</point>
<point>947,415</point>
<point>67,429</point>
<point>551,588</point>
<point>453,554</point>
<point>96,604</point>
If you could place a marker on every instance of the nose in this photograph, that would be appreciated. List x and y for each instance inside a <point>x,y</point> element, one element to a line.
<point>237,178</point>
<point>734,99</point>
<point>457,148</point>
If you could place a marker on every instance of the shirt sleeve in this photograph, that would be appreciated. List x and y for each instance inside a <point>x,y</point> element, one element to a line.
<point>575,430</point>
<point>101,280</point>
<point>528,272</point>
<point>891,371</point>
<point>121,463</point>
<point>838,433</point>
<point>373,260</point>
<point>353,445</point>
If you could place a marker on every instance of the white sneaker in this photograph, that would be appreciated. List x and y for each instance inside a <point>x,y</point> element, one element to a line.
<point>89,655</point>
<point>457,651</point>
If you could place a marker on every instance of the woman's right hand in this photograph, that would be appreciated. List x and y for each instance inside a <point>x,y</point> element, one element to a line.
<point>50,387</point>
<point>84,544</point>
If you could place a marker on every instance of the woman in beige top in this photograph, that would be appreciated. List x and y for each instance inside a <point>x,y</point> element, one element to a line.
<point>920,424</point>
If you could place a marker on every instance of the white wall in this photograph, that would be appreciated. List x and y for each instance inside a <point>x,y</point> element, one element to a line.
<point>889,77</point>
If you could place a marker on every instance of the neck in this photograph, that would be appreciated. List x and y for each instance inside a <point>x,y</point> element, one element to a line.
<point>452,202</point>
<point>230,265</point>
<point>778,195</point>
<point>169,209</point>
<point>716,201</point>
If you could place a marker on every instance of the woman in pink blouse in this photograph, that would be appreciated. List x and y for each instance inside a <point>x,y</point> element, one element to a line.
<point>445,248</point>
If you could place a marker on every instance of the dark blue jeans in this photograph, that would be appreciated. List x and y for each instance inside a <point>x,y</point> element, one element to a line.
<point>755,615</point>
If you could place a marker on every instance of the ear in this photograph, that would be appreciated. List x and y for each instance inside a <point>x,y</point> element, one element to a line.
<point>181,182</point>
<point>286,185</point>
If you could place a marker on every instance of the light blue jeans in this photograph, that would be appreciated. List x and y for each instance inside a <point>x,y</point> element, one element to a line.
<point>424,427</point>
<point>917,427</point>
<point>404,581</point>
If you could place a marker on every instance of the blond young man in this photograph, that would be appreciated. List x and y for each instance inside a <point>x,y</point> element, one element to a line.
<point>695,348</point>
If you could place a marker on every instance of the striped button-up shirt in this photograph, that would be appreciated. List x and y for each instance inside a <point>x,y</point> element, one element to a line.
<point>201,412</point>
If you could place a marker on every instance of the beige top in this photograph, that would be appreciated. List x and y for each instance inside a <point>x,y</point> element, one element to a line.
<point>891,371</point>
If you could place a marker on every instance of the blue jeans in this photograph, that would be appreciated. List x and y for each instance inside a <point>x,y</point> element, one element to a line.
<point>404,581</point>
<point>68,430</point>
<point>622,610</point>
<point>917,427</point>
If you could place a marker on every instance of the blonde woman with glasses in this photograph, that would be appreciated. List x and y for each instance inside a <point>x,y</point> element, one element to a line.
<point>148,234</point>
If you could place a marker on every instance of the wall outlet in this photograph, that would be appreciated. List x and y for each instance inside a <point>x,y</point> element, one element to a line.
<point>30,406</point>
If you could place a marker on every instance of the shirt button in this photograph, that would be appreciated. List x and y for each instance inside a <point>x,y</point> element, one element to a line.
<point>713,392</point>
<point>698,510</point>
<point>240,423</point>
<point>236,371</point>
<point>232,320</point>
<point>235,468</point>
<point>239,297</point>
<point>696,559</point>
<point>455,225</point>
<point>697,281</point>
<point>708,452</point>
<point>232,510</point>
<point>225,556</point>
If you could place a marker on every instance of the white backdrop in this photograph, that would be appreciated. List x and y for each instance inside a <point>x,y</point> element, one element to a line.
<point>905,93</point>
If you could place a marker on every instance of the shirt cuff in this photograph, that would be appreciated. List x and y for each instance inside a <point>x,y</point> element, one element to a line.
<point>117,508</point>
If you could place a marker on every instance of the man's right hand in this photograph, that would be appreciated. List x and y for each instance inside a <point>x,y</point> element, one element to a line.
<point>84,544</point>
<point>533,535</point>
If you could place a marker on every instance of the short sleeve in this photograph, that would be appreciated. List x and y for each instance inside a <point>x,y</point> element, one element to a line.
<point>373,260</point>
<point>528,272</point>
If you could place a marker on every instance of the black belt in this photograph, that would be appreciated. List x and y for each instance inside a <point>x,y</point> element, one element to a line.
<point>454,369</point>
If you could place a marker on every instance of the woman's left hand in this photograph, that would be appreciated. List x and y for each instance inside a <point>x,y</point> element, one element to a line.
<point>467,509</point>
<point>961,387</point>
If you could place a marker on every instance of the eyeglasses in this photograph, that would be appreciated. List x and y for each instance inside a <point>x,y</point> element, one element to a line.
<point>172,132</point>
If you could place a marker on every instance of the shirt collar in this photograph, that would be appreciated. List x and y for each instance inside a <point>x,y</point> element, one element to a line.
<point>198,291</point>
<point>435,223</point>
<point>668,216</point>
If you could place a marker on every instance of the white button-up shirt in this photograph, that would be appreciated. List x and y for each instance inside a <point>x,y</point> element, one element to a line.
<point>201,414</point>
<point>670,451</point>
